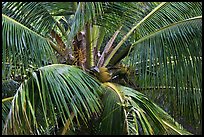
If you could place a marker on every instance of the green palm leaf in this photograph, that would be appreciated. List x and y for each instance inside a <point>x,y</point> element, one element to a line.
<point>162,45</point>
<point>60,8</point>
<point>112,119</point>
<point>158,18</point>
<point>141,115</point>
<point>51,96</point>
<point>9,87</point>
<point>6,105</point>
<point>168,13</point>
<point>167,53</point>
<point>85,12</point>
<point>123,13</point>
<point>158,120</point>
<point>31,14</point>
<point>22,46</point>
<point>161,61</point>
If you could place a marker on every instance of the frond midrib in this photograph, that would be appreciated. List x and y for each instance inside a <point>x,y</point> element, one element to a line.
<point>165,28</point>
<point>18,23</point>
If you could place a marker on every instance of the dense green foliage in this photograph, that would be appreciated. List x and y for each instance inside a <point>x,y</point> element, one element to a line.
<point>101,68</point>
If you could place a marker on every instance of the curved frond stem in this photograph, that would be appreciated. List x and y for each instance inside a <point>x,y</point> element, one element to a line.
<point>7,99</point>
<point>163,29</point>
<point>16,22</point>
<point>130,32</point>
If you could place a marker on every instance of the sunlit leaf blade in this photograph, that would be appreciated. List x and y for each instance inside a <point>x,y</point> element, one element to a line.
<point>150,118</point>
<point>171,58</point>
<point>31,14</point>
<point>164,63</point>
<point>23,47</point>
<point>50,97</point>
<point>127,111</point>
<point>123,13</point>
<point>6,104</point>
<point>113,116</point>
<point>155,20</point>
<point>168,13</point>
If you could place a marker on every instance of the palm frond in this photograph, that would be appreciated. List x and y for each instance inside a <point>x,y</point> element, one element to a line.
<point>9,88</point>
<point>145,117</point>
<point>50,97</point>
<point>157,19</point>
<point>113,116</point>
<point>123,13</point>
<point>60,8</point>
<point>85,12</point>
<point>166,14</point>
<point>171,58</point>
<point>127,111</point>
<point>6,105</point>
<point>31,14</point>
<point>22,46</point>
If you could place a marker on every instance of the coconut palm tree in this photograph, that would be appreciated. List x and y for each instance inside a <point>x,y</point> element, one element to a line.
<point>101,67</point>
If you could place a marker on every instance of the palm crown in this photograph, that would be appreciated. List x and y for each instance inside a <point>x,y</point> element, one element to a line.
<point>97,67</point>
